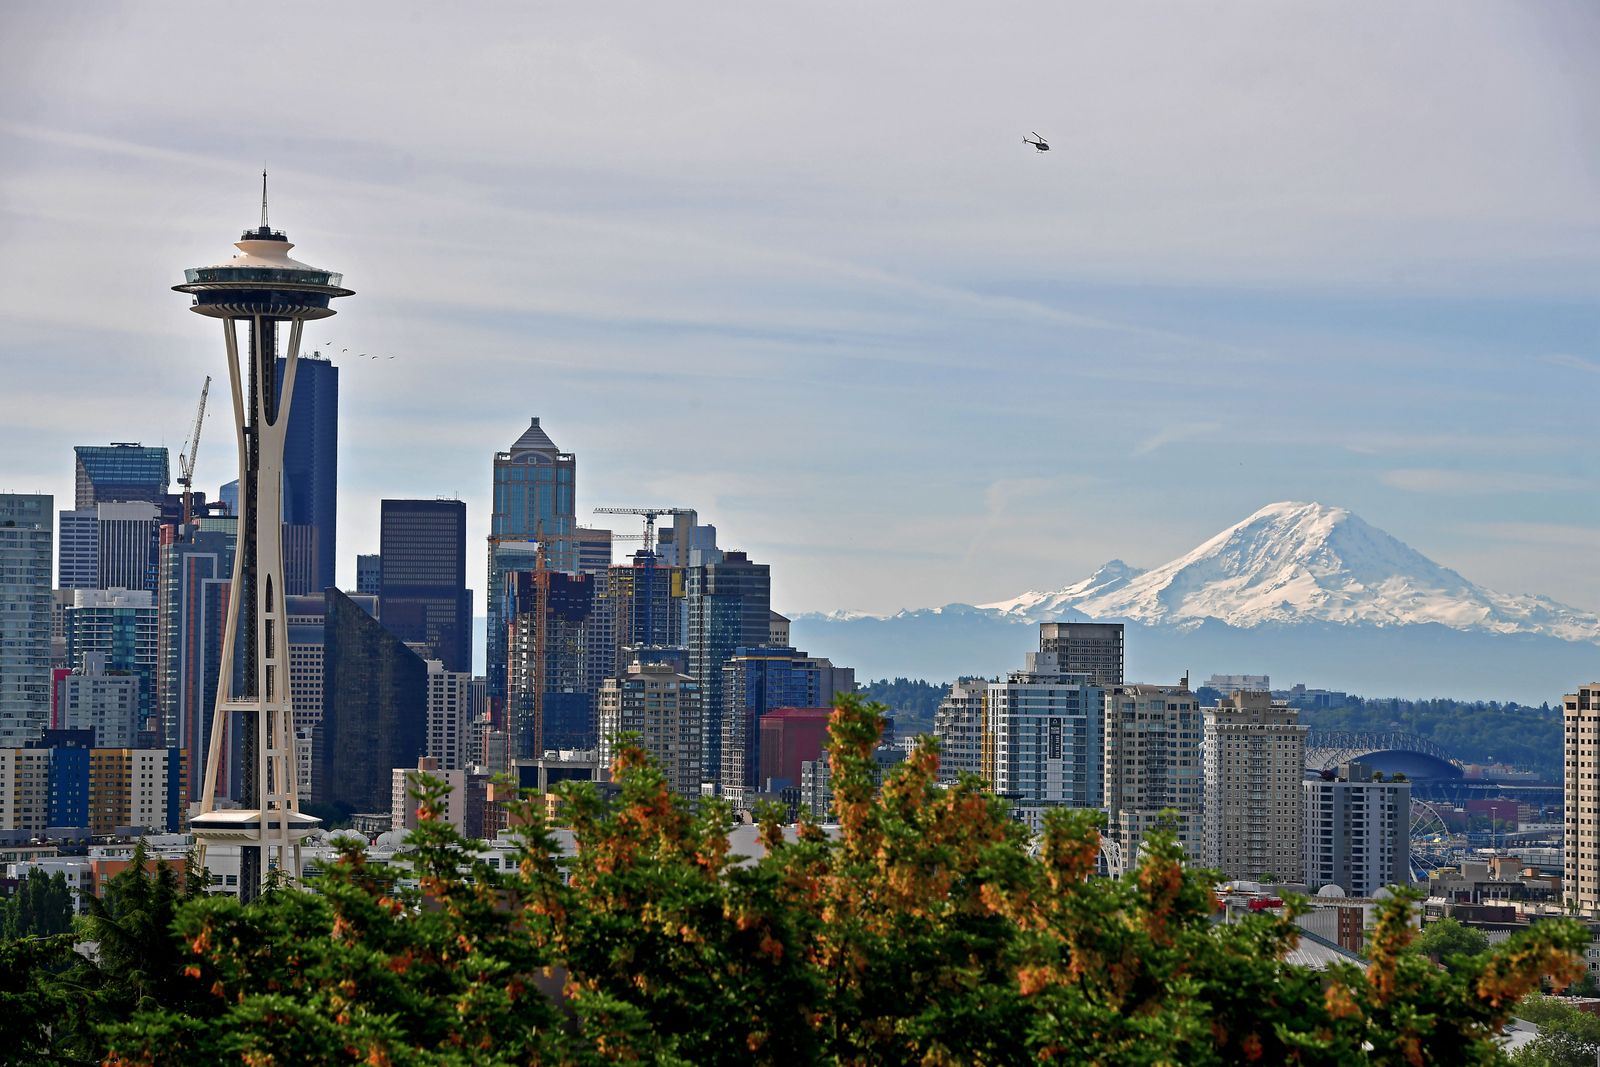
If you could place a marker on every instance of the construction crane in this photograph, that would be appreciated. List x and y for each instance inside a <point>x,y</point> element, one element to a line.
<point>646,625</point>
<point>650,516</point>
<point>186,454</point>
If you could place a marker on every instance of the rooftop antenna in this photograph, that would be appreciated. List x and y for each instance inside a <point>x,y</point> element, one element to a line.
<point>263,198</point>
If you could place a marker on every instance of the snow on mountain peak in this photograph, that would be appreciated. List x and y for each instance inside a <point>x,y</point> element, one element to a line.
<point>1300,562</point>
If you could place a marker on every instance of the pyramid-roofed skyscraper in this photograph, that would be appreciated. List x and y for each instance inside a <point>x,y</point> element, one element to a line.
<point>534,500</point>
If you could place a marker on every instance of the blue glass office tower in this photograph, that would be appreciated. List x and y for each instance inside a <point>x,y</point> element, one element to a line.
<point>533,499</point>
<point>120,625</point>
<point>311,464</point>
<point>729,607</point>
<point>754,682</point>
<point>119,471</point>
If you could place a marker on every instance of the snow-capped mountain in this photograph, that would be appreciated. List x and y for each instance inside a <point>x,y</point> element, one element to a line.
<point>1294,562</point>
<point>1299,587</point>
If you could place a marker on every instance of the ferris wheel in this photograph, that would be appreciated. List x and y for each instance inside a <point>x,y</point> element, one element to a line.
<point>1431,840</point>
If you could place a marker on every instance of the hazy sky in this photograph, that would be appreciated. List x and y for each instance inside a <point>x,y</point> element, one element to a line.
<point>792,265</point>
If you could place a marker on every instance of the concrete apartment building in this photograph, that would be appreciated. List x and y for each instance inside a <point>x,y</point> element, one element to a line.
<point>1358,831</point>
<point>449,700</point>
<point>403,780</point>
<point>1581,723</point>
<point>1153,766</point>
<point>91,698</point>
<point>1092,648</point>
<point>958,724</point>
<point>1043,738</point>
<point>663,708</point>
<point>1254,807</point>
<point>25,789</point>
<point>64,781</point>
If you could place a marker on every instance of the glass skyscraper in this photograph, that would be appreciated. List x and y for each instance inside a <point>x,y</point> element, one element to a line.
<point>311,464</point>
<point>79,563</point>
<point>533,499</point>
<point>118,625</point>
<point>374,710</point>
<point>120,471</point>
<point>729,607</point>
<point>422,594</point>
<point>27,532</point>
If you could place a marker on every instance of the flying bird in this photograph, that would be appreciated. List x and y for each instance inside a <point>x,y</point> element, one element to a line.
<point>1039,143</point>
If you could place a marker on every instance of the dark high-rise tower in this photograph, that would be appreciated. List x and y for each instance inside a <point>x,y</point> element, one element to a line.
<point>374,709</point>
<point>422,594</point>
<point>273,296</point>
<point>311,463</point>
<point>730,607</point>
<point>369,574</point>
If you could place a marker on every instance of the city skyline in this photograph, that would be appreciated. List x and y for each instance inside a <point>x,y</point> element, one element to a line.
<point>913,363</point>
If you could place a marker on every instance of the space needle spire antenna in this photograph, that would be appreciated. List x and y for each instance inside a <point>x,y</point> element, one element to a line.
<point>265,290</point>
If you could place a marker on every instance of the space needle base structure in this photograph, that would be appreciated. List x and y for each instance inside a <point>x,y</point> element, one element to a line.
<point>262,295</point>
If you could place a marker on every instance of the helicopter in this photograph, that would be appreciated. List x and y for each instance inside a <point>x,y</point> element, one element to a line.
<point>1038,143</point>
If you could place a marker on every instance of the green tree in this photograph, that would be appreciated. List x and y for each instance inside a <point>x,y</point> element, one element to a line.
<point>41,906</point>
<point>1567,1037</point>
<point>1449,942</point>
<point>34,1004</point>
<point>137,959</point>
<point>437,963</point>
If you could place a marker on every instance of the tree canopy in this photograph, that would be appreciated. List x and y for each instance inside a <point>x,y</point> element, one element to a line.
<point>1449,942</point>
<point>928,930</point>
<point>40,907</point>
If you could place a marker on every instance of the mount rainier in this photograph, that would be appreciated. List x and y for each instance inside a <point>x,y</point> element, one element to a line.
<point>1304,591</point>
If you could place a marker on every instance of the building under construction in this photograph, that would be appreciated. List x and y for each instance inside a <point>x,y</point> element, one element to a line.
<point>551,707</point>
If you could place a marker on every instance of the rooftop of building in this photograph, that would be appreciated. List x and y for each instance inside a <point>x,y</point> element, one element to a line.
<point>534,439</point>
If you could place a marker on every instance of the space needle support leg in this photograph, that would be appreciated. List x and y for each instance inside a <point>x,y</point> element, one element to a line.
<point>230,630</point>
<point>276,778</point>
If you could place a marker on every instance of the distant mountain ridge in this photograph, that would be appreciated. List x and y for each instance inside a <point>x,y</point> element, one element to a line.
<point>1305,591</point>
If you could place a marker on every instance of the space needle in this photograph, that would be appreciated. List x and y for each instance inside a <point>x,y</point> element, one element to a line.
<point>263,289</point>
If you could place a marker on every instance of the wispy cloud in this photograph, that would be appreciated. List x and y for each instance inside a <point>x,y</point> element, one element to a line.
<point>1566,359</point>
<point>1186,431</point>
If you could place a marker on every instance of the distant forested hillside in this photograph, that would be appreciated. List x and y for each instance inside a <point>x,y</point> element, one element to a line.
<point>911,701</point>
<point>1473,732</point>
